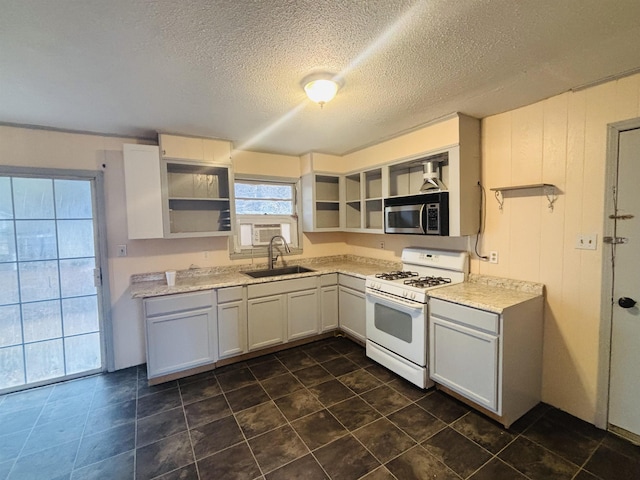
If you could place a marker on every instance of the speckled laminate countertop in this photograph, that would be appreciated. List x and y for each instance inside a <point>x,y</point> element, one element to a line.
<point>493,294</point>
<point>154,284</point>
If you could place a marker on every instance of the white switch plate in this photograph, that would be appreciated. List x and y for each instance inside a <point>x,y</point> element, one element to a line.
<point>493,257</point>
<point>587,241</point>
<point>122,250</point>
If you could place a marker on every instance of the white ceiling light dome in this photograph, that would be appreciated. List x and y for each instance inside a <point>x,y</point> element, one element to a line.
<point>321,87</point>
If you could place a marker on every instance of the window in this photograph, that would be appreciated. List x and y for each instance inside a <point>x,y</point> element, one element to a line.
<point>265,207</point>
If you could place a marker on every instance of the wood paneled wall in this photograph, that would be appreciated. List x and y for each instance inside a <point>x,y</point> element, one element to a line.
<point>561,140</point>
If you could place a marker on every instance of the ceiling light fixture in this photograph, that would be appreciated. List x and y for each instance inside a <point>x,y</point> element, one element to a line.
<point>321,87</point>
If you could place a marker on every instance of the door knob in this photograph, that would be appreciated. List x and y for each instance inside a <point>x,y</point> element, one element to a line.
<point>626,302</point>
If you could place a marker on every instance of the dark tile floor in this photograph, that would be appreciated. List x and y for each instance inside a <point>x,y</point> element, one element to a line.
<point>314,412</point>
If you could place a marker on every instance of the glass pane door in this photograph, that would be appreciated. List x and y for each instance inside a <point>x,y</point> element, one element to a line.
<point>49,315</point>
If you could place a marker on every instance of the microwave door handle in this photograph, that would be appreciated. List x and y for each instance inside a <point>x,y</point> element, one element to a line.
<point>422,229</point>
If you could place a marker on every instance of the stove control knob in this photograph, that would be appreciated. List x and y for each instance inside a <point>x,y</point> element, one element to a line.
<point>413,296</point>
<point>404,294</point>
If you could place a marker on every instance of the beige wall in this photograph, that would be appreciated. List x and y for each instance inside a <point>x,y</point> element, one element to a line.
<point>561,141</point>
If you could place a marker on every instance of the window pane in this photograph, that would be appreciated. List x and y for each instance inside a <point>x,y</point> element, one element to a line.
<point>7,241</point>
<point>269,207</point>
<point>75,238</point>
<point>82,353</point>
<point>33,198</point>
<point>41,320</point>
<point>73,199</point>
<point>36,240</point>
<point>6,205</point>
<point>39,281</point>
<point>263,190</point>
<point>76,277</point>
<point>44,360</point>
<point>11,366</point>
<point>10,326</point>
<point>80,315</point>
<point>9,283</point>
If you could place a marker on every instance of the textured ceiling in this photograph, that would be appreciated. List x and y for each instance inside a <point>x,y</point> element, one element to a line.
<point>232,68</point>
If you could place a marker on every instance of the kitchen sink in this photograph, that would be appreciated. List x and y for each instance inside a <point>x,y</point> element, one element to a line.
<point>277,272</point>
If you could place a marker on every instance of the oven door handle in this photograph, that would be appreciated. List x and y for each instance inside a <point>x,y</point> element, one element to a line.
<point>395,299</point>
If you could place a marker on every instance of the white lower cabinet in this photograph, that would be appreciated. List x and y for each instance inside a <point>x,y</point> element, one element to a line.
<point>281,311</point>
<point>266,321</point>
<point>352,306</point>
<point>302,314</point>
<point>232,322</point>
<point>493,360</point>
<point>181,332</point>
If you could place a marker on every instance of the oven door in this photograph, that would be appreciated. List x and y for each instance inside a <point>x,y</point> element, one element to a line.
<point>397,325</point>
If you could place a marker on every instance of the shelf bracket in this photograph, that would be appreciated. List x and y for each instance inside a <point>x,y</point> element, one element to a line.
<point>550,193</point>
<point>499,198</point>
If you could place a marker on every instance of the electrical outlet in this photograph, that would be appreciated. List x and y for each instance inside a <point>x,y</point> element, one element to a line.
<point>587,241</point>
<point>382,245</point>
<point>122,250</point>
<point>493,257</point>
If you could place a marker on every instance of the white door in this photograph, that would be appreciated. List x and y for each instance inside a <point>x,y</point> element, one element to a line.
<point>624,406</point>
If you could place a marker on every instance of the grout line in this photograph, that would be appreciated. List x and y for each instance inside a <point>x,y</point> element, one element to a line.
<point>186,423</point>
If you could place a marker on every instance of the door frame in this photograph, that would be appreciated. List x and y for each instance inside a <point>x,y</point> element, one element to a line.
<point>99,203</point>
<point>606,303</point>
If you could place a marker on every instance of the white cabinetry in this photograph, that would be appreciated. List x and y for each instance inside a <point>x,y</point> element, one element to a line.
<point>281,311</point>
<point>321,202</point>
<point>266,321</point>
<point>181,333</point>
<point>363,204</point>
<point>352,306</point>
<point>493,360</point>
<point>232,321</point>
<point>302,314</point>
<point>329,302</point>
<point>186,195</point>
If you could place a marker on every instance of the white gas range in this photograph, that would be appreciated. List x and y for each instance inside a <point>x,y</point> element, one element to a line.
<point>397,309</point>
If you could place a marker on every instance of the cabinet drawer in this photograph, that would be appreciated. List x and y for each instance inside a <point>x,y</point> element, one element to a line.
<point>463,315</point>
<point>352,282</point>
<point>281,286</point>
<point>229,294</point>
<point>177,303</point>
<point>328,279</point>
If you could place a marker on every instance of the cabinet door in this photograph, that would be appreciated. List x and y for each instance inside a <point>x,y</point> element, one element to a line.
<point>266,321</point>
<point>180,341</point>
<point>302,313</point>
<point>176,146</point>
<point>465,360</point>
<point>232,329</point>
<point>329,307</point>
<point>352,312</point>
<point>143,191</point>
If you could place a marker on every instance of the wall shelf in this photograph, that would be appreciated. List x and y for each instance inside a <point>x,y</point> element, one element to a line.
<point>548,189</point>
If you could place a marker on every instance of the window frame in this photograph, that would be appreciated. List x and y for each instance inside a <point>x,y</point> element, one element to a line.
<point>235,250</point>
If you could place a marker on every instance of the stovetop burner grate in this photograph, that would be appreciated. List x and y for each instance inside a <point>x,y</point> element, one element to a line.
<point>398,275</point>
<point>425,282</point>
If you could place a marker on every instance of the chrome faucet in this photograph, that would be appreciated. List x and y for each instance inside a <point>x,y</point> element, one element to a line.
<point>272,259</point>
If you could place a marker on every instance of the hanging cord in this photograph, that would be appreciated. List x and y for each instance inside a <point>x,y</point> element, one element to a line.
<point>482,213</point>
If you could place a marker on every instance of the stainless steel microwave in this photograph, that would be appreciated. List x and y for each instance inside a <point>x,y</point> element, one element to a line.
<point>424,214</point>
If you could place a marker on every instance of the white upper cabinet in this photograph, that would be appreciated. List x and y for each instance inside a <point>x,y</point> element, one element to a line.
<point>321,201</point>
<point>195,148</point>
<point>187,194</point>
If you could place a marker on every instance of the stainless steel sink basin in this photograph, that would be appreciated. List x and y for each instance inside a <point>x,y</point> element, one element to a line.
<point>277,272</point>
